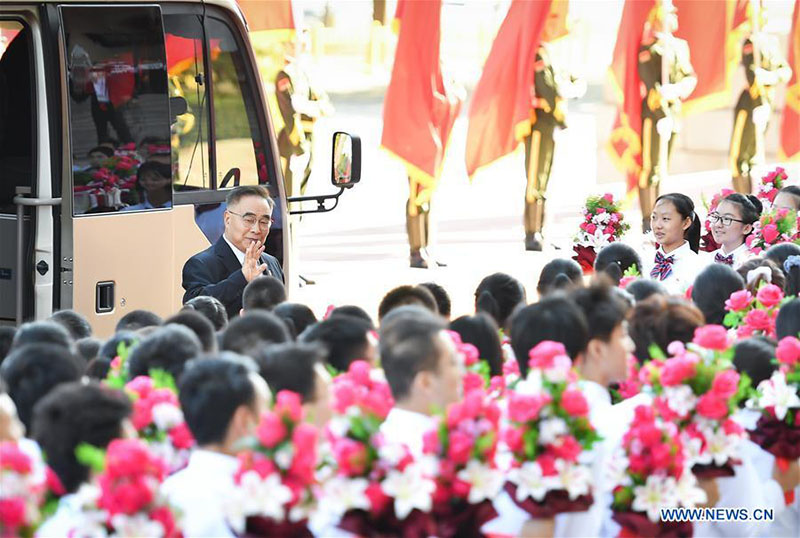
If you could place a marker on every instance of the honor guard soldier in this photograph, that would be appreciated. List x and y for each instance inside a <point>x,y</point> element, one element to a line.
<point>668,77</point>
<point>551,89</point>
<point>764,67</point>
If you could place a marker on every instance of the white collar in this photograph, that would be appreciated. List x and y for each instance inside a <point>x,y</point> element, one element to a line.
<point>680,252</point>
<point>404,416</point>
<point>208,460</point>
<point>595,393</point>
<point>239,254</point>
<point>735,252</point>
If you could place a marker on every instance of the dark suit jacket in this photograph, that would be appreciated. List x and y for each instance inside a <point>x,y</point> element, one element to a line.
<point>217,272</point>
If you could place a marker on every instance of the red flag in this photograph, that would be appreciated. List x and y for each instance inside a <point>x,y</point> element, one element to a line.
<point>790,119</point>
<point>499,113</point>
<point>418,110</point>
<point>271,15</point>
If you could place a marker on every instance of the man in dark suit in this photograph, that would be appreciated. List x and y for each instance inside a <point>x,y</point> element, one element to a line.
<point>225,268</point>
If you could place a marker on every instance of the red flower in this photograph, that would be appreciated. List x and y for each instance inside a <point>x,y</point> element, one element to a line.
<point>460,447</point>
<point>290,405</point>
<point>770,295</point>
<point>522,407</point>
<point>181,437</point>
<point>543,354</point>
<point>574,403</point>
<point>567,448</point>
<point>271,430</point>
<point>513,439</point>
<point>739,300</point>
<point>711,406</point>
<point>547,462</point>
<point>759,320</point>
<point>711,337</point>
<point>378,500</point>
<point>351,456</point>
<point>725,384</point>
<point>12,513</point>
<point>472,381</point>
<point>140,385</point>
<point>430,442</point>
<point>163,515</point>
<point>676,370</point>
<point>769,233</point>
<point>788,351</point>
<point>14,459</point>
<point>359,371</point>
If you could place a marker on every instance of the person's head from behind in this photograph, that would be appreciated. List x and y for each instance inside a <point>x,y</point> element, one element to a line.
<point>644,288</point>
<point>299,368</point>
<point>298,317</point>
<point>560,274</point>
<point>138,319</point>
<point>406,295</point>
<point>555,318</point>
<point>222,398</point>
<point>248,216</point>
<point>753,356</point>
<point>246,334</point>
<point>759,271</point>
<point>74,414</point>
<point>674,221</point>
<point>788,198</point>
<point>42,332</point>
<point>443,303</point>
<point>346,339</point>
<point>112,346</point>
<point>481,331</point>
<point>167,349</point>
<point>211,308</point>
<point>420,361</point>
<point>263,293</point>
<point>32,371</point>
<point>733,220</point>
<point>780,253</point>
<point>788,321</point>
<point>498,295</point>
<point>6,339</point>
<point>199,325</point>
<point>98,156</point>
<point>660,321</point>
<point>155,180</point>
<point>615,259</point>
<point>352,311</point>
<point>77,325</point>
<point>712,287</point>
<point>88,348</point>
<point>606,357</point>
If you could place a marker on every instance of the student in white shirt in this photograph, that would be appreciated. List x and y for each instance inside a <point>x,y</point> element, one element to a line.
<point>222,398</point>
<point>731,223</point>
<point>676,228</point>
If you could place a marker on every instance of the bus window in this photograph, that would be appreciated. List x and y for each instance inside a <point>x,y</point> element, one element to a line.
<point>119,108</point>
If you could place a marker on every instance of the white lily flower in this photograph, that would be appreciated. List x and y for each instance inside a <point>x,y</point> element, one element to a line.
<point>559,372</point>
<point>137,525</point>
<point>551,429</point>
<point>573,478</point>
<point>695,454</point>
<point>617,471</point>
<point>342,494</point>
<point>722,447</point>
<point>166,416</point>
<point>687,490</point>
<point>680,399</point>
<point>485,482</point>
<point>530,481</point>
<point>657,493</point>
<point>410,489</point>
<point>531,385</point>
<point>776,393</point>
<point>284,456</point>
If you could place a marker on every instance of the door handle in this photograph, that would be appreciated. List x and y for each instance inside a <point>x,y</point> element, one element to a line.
<point>104,297</point>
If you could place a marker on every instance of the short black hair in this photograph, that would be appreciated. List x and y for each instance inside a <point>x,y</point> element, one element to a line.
<point>6,338</point>
<point>263,293</point>
<point>237,193</point>
<point>750,206</point>
<point>352,311</point>
<point>137,319</point>
<point>296,316</point>
<point>249,332</point>
<point>210,391</point>
<point>553,318</point>
<point>211,308</point>
<point>643,288</point>
<point>77,325</point>
<point>788,321</point>
<point>560,274</point>
<point>616,258</point>
<point>482,332</point>
<point>343,337</point>
<point>712,287</point>
<point>443,303</point>
<point>661,320</point>
<point>168,349</point>
<point>111,347</point>
<point>499,295</point>
<point>795,192</point>
<point>406,295</point>
<point>753,356</point>
<point>33,370</point>
<point>199,325</point>
<point>604,310</point>
<point>98,368</point>
<point>290,367</point>
<point>88,348</point>
<point>408,346</point>
<point>778,253</point>
<point>73,414</point>
<point>42,332</point>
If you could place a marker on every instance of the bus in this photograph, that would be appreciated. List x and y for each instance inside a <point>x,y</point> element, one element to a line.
<point>123,125</point>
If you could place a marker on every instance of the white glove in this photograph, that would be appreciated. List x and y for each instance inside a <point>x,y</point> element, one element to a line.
<point>761,115</point>
<point>664,126</point>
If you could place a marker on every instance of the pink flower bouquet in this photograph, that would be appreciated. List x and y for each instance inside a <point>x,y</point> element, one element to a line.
<point>603,223</point>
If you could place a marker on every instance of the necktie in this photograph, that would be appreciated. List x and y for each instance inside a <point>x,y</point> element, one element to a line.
<point>663,267</point>
<point>727,260</point>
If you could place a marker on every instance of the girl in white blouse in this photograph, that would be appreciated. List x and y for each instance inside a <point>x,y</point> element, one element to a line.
<point>731,223</point>
<point>676,228</point>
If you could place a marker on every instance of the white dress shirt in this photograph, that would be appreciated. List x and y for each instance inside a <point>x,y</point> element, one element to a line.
<point>685,268</point>
<point>740,254</point>
<point>200,491</point>
<point>406,427</point>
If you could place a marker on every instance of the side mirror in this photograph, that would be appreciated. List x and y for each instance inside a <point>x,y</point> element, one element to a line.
<point>346,161</point>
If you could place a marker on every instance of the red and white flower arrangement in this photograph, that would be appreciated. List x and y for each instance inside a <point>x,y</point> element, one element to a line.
<point>698,389</point>
<point>708,243</point>
<point>374,488</point>
<point>273,485</point>
<point>650,473</point>
<point>477,374</point>
<point>603,223</point>
<point>549,435</point>
<point>158,418</point>
<point>770,185</point>
<point>23,489</point>
<point>778,399</point>
<point>463,446</point>
<point>751,316</point>
<point>775,226</point>
<point>125,498</point>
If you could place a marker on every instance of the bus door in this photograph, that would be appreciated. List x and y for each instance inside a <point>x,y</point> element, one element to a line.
<point>117,203</point>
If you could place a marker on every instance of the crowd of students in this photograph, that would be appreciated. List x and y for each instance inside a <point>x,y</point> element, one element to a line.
<point>58,392</point>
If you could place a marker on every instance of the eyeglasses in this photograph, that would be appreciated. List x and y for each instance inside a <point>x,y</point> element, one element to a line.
<point>726,221</point>
<point>250,220</point>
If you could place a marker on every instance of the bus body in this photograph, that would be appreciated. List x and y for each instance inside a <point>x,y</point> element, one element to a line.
<point>123,125</point>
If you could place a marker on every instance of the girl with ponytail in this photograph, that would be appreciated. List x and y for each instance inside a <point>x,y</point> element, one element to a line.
<point>676,228</point>
<point>731,223</point>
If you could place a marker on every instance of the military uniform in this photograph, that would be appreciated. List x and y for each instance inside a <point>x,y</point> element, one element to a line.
<point>418,224</point>
<point>547,114</point>
<point>755,106</point>
<point>660,110</point>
